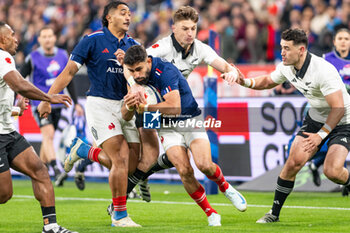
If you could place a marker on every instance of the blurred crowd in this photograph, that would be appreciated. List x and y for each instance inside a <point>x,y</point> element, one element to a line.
<point>250,29</point>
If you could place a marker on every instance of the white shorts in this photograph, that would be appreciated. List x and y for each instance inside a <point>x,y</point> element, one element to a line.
<point>177,136</point>
<point>104,120</point>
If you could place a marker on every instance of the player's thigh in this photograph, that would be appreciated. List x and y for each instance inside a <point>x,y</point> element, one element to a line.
<point>201,152</point>
<point>117,149</point>
<point>178,156</point>
<point>28,163</point>
<point>297,156</point>
<point>150,144</point>
<point>102,118</point>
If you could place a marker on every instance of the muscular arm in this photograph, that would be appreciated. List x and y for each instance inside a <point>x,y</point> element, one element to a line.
<point>64,78</point>
<point>170,106</point>
<point>18,84</point>
<point>221,65</point>
<point>336,102</point>
<point>261,82</point>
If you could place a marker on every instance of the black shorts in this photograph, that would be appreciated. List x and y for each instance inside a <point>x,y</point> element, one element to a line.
<point>339,135</point>
<point>139,120</point>
<point>53,117</point>
<point>11,145</point>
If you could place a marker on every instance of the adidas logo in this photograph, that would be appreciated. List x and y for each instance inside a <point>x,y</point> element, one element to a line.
<point>276,202</point>
<point>344,140</point>
<point>307,83</point>
<point>294,80</point>
<point>105,51</point>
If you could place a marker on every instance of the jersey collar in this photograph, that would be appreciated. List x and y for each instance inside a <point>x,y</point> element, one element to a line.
<point>112,38</point>
<point>179,48</point>
<point>301,73</point>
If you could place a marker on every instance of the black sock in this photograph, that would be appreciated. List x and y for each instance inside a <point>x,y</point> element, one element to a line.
<point>134,178</point>
<point>347,183</point>
<point>53,164</point>
<point>49,214</point>
<point>283,189</point>
<point>162,163</point>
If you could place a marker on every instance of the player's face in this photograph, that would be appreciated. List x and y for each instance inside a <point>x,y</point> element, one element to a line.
<point>185,32</point>
<point>291,53</point>
<point>47,39</point>
<point>342,41</point>
<point>119,18</point>
<point>9,40</point>
<point>140,71</point>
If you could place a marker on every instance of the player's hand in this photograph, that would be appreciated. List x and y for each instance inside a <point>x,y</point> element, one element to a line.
<point>139,91</point>
<point>78,110</point>
<point>310,143</point>
<point>131,100</point>
<point>44,109</point>
<point>22,104</point>
<point>230,77</point>
<point>240,78</point>
<point>120,54</point>
<point>60,99</point>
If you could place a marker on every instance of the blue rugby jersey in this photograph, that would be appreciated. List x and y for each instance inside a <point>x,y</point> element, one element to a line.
<point>105,73</point>
<point>166,78</point>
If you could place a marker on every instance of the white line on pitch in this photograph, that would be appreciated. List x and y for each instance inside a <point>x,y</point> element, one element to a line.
<point>181,203</point>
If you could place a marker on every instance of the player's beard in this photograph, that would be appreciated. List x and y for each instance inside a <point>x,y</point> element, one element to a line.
<point>145,79</point>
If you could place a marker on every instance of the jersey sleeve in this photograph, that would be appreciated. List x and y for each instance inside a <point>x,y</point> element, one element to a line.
<point>208,55</point>
<point>169,81</point>
<point>7,64</point>
<point>81,52</point>
<point>277,75</point>
<point>330,81</point>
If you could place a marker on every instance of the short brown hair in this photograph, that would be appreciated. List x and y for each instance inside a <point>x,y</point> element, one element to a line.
<point>185,13</point>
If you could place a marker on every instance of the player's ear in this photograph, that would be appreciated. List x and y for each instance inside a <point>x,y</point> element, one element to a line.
<point>149,60</point>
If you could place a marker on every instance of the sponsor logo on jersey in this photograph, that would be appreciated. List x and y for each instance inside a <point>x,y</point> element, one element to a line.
<point>53,69</point>
<point>105,51</point>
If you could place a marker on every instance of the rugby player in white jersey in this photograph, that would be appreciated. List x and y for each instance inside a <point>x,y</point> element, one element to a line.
<point>327,118</point>
<point>15,151</point>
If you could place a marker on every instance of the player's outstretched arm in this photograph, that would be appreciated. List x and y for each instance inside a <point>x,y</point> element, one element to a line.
<point>259,83</point>
<point>229,72</point>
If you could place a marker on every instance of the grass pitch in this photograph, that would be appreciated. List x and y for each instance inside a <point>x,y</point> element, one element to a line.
<point>173,211</point>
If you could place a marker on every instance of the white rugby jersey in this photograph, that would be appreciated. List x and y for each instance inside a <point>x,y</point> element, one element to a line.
<point>169,49</point>
<point>7,64</point>
<point>316,79</point>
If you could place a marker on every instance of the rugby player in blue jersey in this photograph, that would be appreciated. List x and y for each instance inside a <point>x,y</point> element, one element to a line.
<point>118,138</point>
<point>181,108</point>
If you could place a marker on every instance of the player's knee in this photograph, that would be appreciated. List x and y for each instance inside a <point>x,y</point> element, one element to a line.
<point>4,197</point>
<point>40,172</point>
<point>185,171</point>
<point>206,167</point>
<point>331,172</point>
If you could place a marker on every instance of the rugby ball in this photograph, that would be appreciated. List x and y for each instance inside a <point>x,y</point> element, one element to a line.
<point>152,95</point>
